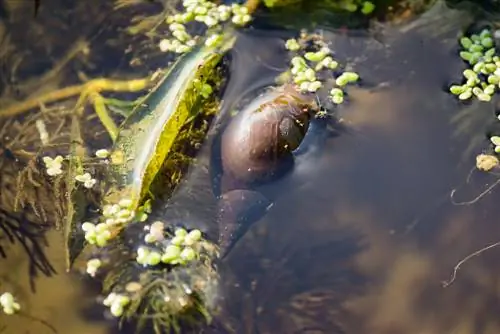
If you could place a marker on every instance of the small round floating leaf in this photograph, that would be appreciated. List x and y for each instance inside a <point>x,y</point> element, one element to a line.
<point>490,68</point>
<point>171,253</point>
<point>497,149</point>
<point>487,42</point>
<point>493,79</point>
<point>471,82</point>
<point>298,61</point>
<point>368,8</point>
<point>475,38</point>
<point>195,235</point>
<point>341,81</point>
<point>310,74</point>
<point>292,44</point>
<point>478,67</point>
<point>484,97</point>
<point>6,298</point>
<point>314,86</point>
<point>149,238</point>
<point>180,232</point>
<point>336,91</point>
<point>351,76</point>
<point>101,240</point>
<point>490,90</point>
<point>476,48</point>
<point>300,78</point>
<point>456,89</point>
<point>466,42</point>
<point>153,258</point>
<point>87,227</point>
<point>304,86</point>
<point>495,140</point>
<point>177,27</point>
<point>490,53</point>
<point>116,310</point>
<point>470,74</point>
<point>465,95</point>
<point>485,33</point>
<point>296,70</point>
<point>123,300</point>
<point>474,58</point>
<point>476,91</point>
<point>125,203</point>
<point>188,254</point>
<point>337,99</point>
<point>177,240</point>
<point>465,55</point>
<point>315,56</point>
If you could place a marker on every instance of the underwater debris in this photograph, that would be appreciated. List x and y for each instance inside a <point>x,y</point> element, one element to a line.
<point>311,64</point>
<point>486,162</point>
<point>483,78</point>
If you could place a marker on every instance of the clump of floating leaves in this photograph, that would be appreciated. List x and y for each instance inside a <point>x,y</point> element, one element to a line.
<point>482,79</point>
<point>168,277</point>
<point>203,12</point>
<point>313,64</point>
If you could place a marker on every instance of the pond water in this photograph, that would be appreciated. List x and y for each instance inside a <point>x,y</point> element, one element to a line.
<point>363,233</point>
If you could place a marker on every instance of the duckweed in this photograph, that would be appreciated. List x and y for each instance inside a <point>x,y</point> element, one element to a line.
<point>9,304</point>
<point>308,68</point>
<point>181,248</point>
<point>482,79</point>
<point>203,11</point>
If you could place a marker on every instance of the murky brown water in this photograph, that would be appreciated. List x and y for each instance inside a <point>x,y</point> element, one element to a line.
<point>364,233</point>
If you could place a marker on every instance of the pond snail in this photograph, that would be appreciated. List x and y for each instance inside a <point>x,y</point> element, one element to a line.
<point>255,148</point>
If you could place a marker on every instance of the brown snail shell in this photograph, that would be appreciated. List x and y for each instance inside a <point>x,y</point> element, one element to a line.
<point>265,133</point>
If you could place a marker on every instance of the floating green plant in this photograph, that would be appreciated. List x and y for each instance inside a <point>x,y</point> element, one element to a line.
<point>9,304</point>
<point>313,64</point>
<point>482,79</point>
<point>205,12</point>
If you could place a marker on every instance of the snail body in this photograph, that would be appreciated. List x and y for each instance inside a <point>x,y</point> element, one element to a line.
<point>255,148</point>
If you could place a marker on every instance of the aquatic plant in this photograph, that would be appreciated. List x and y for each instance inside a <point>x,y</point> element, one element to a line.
<point>173,266</point>
<point>365,7</point>
<point>8,303</point>
<point>482,79</point>
<point>207,13</point>
<point>312,66</point>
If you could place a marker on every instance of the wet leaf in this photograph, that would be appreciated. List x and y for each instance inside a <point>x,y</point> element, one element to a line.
<point>146,137</point>
<point>76,201</point>
<point>495,140</point>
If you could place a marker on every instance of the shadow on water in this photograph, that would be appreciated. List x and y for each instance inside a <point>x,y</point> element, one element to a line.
<point>363,233</point>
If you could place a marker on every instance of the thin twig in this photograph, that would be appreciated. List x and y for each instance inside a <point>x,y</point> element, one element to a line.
<point>467,258</point>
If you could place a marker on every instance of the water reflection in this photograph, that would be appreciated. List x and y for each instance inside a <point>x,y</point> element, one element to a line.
<point>358,200</point>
